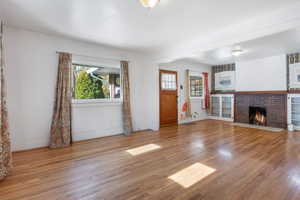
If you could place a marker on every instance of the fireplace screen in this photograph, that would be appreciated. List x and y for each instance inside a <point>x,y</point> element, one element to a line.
<point>258,116</point>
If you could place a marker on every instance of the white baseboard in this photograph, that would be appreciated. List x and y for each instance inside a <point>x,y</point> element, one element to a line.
<point>221,118</point>
<point>192,120</point>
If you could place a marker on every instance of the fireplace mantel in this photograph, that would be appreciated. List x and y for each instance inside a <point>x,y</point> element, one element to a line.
<point>275,103</point>
<point>262,92</point>
<point>257,92</point>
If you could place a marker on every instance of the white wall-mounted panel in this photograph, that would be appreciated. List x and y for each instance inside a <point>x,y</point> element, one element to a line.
<point>262,75</point>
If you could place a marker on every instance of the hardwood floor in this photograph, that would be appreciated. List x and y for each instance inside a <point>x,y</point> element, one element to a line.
<point>247,164</point>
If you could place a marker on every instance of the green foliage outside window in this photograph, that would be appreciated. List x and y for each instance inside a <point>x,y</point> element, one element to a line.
<point>88,87</point>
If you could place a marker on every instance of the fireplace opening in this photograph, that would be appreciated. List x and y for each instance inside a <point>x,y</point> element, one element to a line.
<point>258,116</point>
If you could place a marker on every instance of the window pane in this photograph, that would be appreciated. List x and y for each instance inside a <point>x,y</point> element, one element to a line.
<point>96,82</point>
<point>168,81</point>
<point>196,86</point>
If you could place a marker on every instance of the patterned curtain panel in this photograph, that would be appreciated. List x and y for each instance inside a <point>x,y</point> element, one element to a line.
<point>61,128</point>
<point>126,112</point>
<point>187,105</point>
<point>206,91</point>
<point>5,149</point>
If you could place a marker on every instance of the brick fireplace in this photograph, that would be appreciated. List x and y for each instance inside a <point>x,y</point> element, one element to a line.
<point>261,108</point>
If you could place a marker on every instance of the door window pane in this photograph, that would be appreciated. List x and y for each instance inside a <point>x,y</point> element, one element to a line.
<point>168,81</point>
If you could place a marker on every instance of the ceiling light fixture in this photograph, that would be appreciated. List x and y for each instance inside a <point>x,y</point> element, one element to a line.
<point>149,3</point>
<point>237,51</point>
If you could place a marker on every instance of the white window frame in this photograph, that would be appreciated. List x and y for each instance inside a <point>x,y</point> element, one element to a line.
<point>107,101</point>
<point>197,74</point>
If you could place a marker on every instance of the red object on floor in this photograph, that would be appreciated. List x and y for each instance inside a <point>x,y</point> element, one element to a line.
<point>184,107</point>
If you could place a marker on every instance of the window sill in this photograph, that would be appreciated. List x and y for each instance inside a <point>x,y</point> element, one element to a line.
<point>196,98</point>
<point>96,102</point>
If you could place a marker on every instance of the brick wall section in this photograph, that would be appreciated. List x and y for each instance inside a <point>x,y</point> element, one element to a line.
<point>292,59</point>
<point>275,104</point>
<point>220,68</point>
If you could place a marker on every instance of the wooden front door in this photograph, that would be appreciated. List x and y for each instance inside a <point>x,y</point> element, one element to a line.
<point>168,97</point>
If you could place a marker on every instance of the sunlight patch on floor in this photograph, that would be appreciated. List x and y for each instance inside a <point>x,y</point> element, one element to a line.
<point>143,149</point>
<point>192,174</point>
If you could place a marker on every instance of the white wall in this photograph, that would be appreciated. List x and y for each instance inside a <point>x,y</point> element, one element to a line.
<point>181,67</point>
<point>31,76</point>
<point>262,74</point>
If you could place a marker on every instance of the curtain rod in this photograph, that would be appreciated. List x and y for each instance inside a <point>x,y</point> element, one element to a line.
<point>112,59</point>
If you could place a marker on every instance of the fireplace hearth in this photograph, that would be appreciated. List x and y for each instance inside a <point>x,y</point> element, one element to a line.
<point>258,115</point>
